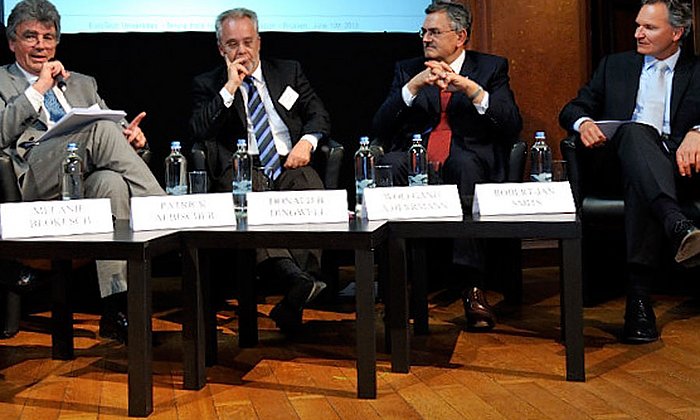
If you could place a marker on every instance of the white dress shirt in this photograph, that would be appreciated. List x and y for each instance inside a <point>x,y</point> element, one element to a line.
<point>37,99</point>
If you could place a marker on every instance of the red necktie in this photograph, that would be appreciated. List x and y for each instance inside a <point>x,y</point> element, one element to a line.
<point>441,137</point>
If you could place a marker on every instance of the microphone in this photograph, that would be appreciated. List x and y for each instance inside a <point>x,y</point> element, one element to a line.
<point>60,82</point>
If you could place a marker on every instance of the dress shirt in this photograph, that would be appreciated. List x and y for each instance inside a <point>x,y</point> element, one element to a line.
<point>280,132</point>
<point>37,99</point>
<point>456,66</point>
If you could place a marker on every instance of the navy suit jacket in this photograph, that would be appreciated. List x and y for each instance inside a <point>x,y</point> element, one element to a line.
<point>612,94</point>
<point>489,136</point>
<point>219,127</point>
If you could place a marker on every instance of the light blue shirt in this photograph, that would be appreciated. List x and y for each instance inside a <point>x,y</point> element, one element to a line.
<point>645,87</point>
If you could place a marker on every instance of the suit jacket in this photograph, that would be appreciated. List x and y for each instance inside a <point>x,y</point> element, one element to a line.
<point>219,127</point>
<point>612,94</point>
<point>19,122</point>
<point>489,136</point>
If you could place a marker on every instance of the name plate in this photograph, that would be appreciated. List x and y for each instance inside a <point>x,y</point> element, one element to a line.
<point>297,207</point>
<point>182,211</point>
<point>397,203</point>
<point>55,218</point>
<point>523,198</point>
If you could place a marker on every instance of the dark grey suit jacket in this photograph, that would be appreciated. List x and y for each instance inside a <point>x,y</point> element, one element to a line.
<point>489,136</point>
<point>612,94</point>
<point>219,127</point>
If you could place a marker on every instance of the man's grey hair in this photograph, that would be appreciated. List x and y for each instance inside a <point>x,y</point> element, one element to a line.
<point>680,14</point>
<point>459,14</point>
<point>27,10</point>
<point>238,13</point>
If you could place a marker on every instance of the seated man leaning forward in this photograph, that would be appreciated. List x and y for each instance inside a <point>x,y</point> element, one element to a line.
<point>272,105</point>
<point>31,103</point>
<point>657,87</point>
<point>462,105</point>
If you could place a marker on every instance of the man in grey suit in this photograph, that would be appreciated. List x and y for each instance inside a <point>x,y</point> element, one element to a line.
<point>35,92</point>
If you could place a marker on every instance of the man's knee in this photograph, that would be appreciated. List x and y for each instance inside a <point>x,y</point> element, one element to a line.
<point>109,184</point>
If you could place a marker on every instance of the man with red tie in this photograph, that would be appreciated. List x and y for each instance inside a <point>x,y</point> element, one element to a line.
<point>461,103</point>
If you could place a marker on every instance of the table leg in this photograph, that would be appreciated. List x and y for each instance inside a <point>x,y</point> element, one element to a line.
<point>572,307</point>
<point>193,326</point>
<point>61,312</point>
<point>211,344</point>
<point>247,306</point>
<point>366,334</point>
<point>419,288</point>
<point>140,348</point>
<point>398,311</point>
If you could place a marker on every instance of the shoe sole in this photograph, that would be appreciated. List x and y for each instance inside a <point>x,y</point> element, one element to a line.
<point>689,251</point>
<point>639,340</point>
<point>316,290</point>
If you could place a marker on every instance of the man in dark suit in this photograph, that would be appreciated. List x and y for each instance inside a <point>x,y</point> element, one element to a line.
<point>461,103</point>
<point>31,101</point>
<point>658,89</point>
<point>272,105</point>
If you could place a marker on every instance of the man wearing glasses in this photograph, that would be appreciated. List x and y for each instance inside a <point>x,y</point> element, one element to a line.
<point>461,104</point>
<point>272,105</point>
<point>35,92</point>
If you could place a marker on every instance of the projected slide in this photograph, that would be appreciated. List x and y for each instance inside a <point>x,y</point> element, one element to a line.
<point>274,15</point>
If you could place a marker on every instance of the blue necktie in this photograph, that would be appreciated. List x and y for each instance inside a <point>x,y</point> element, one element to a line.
<point>261,128</point>
<point>655,100</point>
<point>54,107</point>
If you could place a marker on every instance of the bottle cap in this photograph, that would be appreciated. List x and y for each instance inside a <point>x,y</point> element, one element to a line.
<point>175,144</point>
<point>364,140</point>
<point>539,135</point>
<point>241,142</point>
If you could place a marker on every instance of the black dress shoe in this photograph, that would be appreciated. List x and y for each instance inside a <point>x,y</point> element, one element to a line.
<point>287,317</point>
<point>21,279</point>
<point>687,236</point>
<point>479,313</point>
<point>640,322</point>
<point>115,326</point>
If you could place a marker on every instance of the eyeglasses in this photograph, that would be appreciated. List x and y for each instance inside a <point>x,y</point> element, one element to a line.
<point>434,33</point>
<point>233,45</point>
<point>33,38</point>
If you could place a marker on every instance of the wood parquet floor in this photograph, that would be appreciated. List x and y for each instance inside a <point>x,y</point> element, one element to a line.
<point>515,372</point>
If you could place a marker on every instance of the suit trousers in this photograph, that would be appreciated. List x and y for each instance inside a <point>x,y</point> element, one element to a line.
<point>304,178</point>
<point>648,172</point>
<point>465,169</point>
<point>113,170</point>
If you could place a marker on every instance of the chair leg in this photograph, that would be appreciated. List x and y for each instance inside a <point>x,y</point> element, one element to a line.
<point>11,313</point>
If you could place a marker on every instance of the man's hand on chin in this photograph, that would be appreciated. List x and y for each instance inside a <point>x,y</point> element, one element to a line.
<point>299,156</point>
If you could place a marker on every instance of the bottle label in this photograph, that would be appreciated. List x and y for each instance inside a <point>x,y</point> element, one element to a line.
<point>417,180</point>
<point>176,190</point>
<point>541,177</point>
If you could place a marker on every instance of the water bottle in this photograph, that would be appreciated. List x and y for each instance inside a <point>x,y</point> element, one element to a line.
<point>418,163</point>
<point>364,173</point>
<point>242,177</point>
<point>72,174</point>
<point>540,159</point>
<point>175,171</point>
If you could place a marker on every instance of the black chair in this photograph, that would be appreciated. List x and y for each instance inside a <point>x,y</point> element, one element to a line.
<point>9,299</point>
<point>601,208</point>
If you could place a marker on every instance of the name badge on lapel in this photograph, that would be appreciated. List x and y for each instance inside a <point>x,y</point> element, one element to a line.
<point>288,98</point>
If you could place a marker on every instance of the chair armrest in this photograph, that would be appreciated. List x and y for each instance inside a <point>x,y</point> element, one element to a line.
<point>9,190</point>
<point>516,162</point>
<point>568,152</point>
<point>328,160</point>
<point>199,157</point>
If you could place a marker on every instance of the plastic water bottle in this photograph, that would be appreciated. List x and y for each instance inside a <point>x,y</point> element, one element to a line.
<point>418,163</point>
<point>175,171</point>
<point>72,174</point>
<point>540,159</point>
<point>242,177</point>
<point>364,173</point>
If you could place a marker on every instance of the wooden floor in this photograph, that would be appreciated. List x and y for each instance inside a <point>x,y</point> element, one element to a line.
<point>516,371</point>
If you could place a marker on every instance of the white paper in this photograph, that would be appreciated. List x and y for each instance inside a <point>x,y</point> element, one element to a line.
<point>288,98</point>
<point>609,127</point>
<point>523,198</point>
<point>401,203</point>
<point>182,211</point>
<point>297,207</point>
<point>78,117</point>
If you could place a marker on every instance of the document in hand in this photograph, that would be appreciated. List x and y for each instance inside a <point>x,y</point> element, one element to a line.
<point>609,127</point>
<point>78,117</point>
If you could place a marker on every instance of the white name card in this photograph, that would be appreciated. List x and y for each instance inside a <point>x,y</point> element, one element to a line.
<point>55,218</point>
<point>523,198</point>
<point>396,203</point>
<point>182,211</point>
<point>297,207</point>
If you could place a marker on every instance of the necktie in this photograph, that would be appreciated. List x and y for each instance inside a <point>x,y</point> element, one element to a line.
<point>655,100</point>
<point>52,105</point>
<point>441,136</point>
<point>261,128</point>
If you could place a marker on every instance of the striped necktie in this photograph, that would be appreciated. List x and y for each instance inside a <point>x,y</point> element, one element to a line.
<point>261,128</point>
<point>52,105</point>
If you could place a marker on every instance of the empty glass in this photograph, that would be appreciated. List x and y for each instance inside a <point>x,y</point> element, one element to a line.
<point>383,176</point>
<point>198,182</point>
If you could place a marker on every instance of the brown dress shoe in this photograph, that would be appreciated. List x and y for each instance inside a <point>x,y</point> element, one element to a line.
<point>479,313</point>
